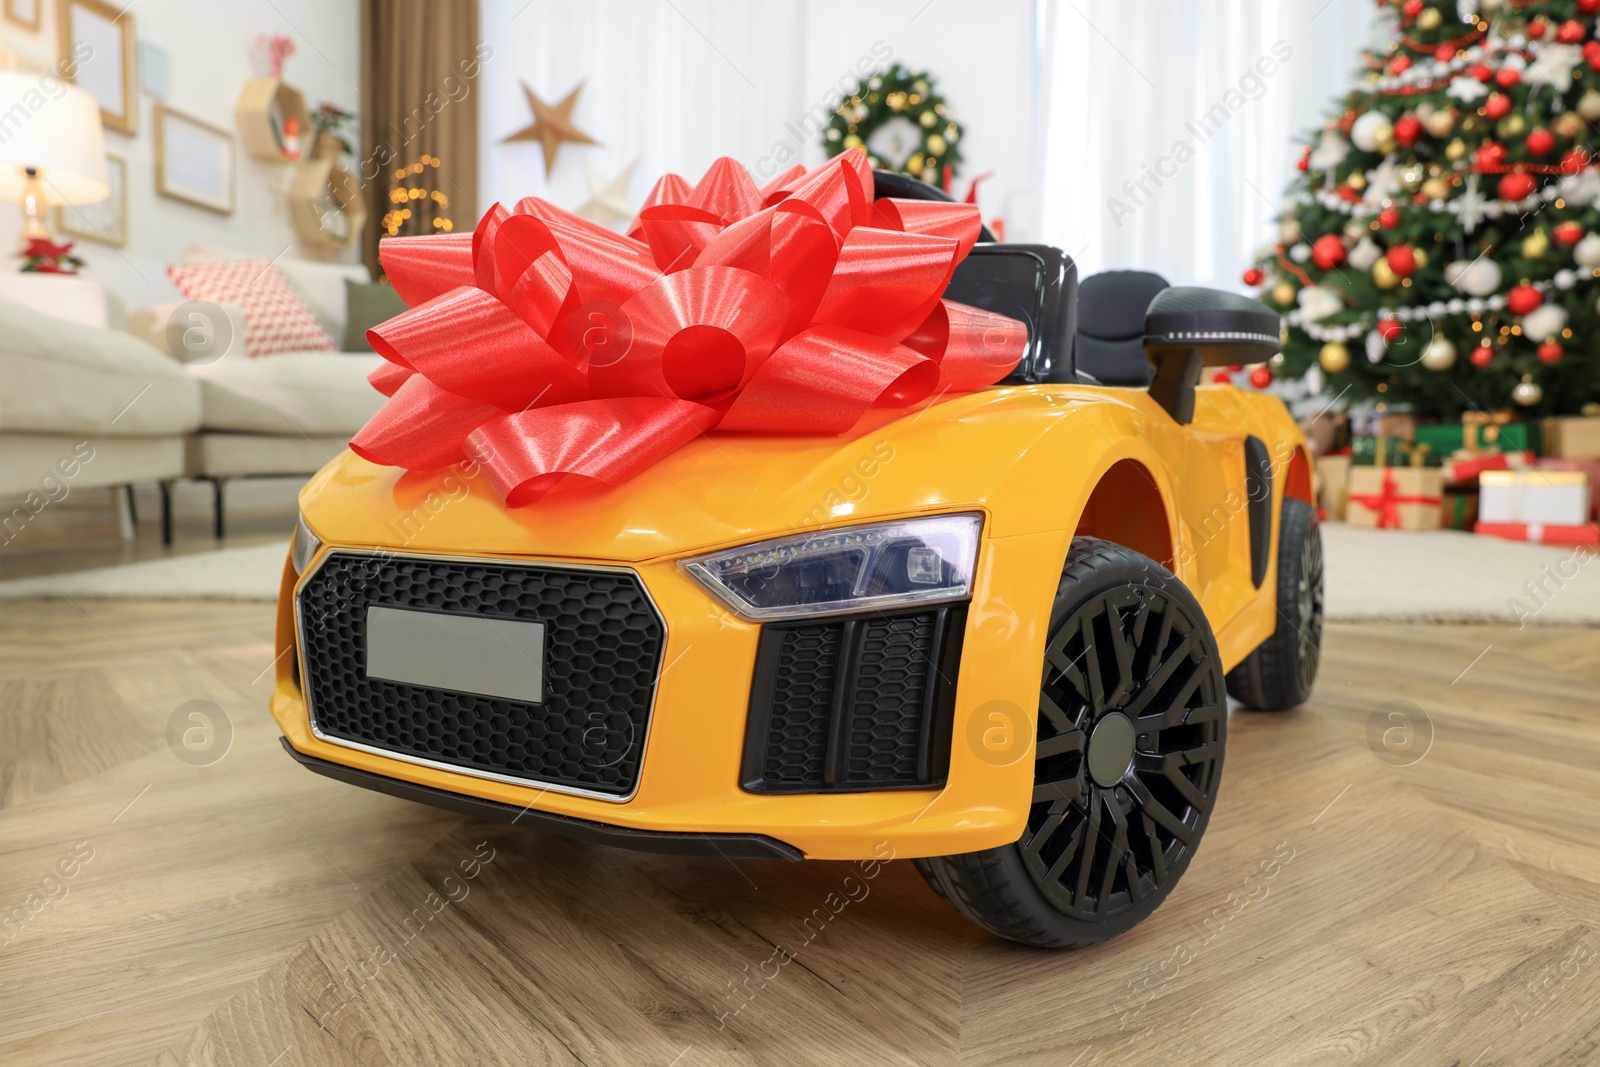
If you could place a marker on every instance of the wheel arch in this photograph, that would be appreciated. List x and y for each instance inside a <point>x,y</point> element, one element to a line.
<point>1129,507</point>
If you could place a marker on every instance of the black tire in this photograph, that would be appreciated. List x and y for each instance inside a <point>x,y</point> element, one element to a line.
<point>1121,615</point>
<point>1279,674</point>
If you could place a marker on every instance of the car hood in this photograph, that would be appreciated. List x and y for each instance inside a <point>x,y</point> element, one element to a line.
<point>721,489</point>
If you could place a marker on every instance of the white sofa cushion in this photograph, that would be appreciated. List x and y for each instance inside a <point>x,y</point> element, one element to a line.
<point>67,378</point>
<point>289,394</point>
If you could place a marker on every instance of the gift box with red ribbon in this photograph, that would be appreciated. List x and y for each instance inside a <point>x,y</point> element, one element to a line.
<point>1395,498</point>
<point>1582,534</point>
<point>544,347</point>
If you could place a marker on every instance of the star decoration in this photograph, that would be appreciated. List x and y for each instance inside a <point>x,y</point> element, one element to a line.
<point>1384,182</point>
<point>552,126</point>
<point>608,201</point>
<point>1554,65</point>
<point>1467,89</point>
<point>1470,205</point>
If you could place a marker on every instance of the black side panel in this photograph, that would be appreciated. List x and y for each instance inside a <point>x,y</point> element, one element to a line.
<point>726,846</point>
<point>1258,490</point>
<point>853,704</point>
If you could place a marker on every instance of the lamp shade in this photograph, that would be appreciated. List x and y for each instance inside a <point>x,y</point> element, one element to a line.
<point>54,128</point>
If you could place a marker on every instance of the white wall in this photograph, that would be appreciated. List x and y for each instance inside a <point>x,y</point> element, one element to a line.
<point>211,51</point>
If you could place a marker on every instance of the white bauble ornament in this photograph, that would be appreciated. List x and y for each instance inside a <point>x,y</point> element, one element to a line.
<point>1547,320</point>
<point>1476,277</point>
<point>1364,131</point>
<point>1364,254</point>
<point>1527,392</point>
<point>1300,252</point>
<point>1565,279</point>
<point>1330,151</point>
<point>1438,353</point>
<point>1455,305</point>
<point>1318,302</point>
<point>1376,347</point>
<point>1586,253</point>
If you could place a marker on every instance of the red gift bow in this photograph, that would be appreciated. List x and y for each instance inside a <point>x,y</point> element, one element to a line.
<point>544,346</point>
<point>1387,502</point>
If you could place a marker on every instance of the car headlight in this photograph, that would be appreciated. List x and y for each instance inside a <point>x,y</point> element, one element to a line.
<point>856,568</point>
<point>304,546</point>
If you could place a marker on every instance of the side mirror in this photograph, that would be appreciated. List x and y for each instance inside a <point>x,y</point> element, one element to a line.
<point>1187,328</point>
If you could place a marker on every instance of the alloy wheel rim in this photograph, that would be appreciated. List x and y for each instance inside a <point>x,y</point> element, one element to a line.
<point>1099,849</point>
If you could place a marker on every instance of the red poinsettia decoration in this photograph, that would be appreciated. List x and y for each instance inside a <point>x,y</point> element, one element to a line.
<point>44,256</point>
<point>544,346</point>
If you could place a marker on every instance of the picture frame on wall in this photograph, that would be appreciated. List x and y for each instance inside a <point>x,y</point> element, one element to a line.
<point>107,221</point>
<point>194,161</point>
<point>24,13</point>
<point>99,53</point>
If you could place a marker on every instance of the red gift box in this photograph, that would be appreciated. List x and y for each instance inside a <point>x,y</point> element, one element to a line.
<point>1467,468</point>
<point>1587,534</point>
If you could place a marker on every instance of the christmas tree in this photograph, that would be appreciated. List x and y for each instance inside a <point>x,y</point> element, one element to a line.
<point>1442,247</point>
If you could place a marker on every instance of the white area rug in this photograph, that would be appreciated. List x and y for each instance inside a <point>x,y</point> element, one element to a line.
<point>1439,576</point>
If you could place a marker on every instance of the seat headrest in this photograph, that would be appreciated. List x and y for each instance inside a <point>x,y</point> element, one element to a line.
<point>1112,304</point>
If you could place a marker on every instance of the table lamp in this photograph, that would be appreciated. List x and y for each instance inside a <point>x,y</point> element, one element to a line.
<point>52,150</point>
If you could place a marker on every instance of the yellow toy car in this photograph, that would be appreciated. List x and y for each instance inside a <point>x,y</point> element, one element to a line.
<point>993,632</point>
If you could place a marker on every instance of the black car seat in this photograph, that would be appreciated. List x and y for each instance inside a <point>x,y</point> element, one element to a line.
<point>1110,342</point>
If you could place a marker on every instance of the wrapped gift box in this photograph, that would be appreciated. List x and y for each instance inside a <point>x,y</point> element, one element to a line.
<point>1509,437</point>
<point>1591,467</point>
<point>1464,467</point>
<point>1333,476</point>
<point>1587,533</point>
<point>1545,497</point>
<point>1572,437</point>
<point>1460,509</point>
<point>1395,498</point>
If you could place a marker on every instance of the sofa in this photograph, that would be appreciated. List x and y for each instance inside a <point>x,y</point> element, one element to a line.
<point>123,402</point>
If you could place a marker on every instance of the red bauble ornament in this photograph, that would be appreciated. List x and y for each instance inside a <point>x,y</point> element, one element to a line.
<point>1400,64</point>
<point>1389,329</point>
<point>1536,28</point>
<point>1328,251</point>
<point>1523,299</point>
<point>1490,157</point>
<point>1517,186</point>
<point>1411,8</point>
<point>1305,159</point>
<point>1569,232</point>
<point>1481,355</point>
<point>1347,120</point>
<point>1481,71</point>
<point>1540,141</point>
<point>1571,32</point>
<point>1575,160</point>
<point>1388,218</point>
<point>1506,77</point>
<point>1261,377</point>
<point>1402,260</point>
<point>1407,130</point>
<point>1253,277</point>
<point>1497,106</point>
<point>1589,7</point>
<point>1590,48</point>
<point>1551,352</point>
<point>1591,56</point>
<point>1444,53</point>
<point>1222,377</point>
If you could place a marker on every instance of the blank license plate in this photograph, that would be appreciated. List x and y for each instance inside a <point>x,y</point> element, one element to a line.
<point>491,657</point>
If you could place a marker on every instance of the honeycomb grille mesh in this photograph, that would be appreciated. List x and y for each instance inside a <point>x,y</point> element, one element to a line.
<point>848,704</point>
<point>603,645</point>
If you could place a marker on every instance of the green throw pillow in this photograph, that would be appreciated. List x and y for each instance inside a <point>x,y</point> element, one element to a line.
<point>366,305</point>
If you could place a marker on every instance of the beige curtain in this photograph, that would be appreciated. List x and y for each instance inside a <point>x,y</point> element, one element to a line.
<point>420,64</point>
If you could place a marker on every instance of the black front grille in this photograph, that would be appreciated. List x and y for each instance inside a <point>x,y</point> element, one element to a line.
<point>603,644</point>
<point>853,704</point>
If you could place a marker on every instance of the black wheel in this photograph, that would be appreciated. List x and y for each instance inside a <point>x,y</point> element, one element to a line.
<point>1131,726</point>
<point>1279,674</point>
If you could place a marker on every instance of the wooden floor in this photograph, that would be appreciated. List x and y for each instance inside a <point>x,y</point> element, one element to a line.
<point>1348,905</point>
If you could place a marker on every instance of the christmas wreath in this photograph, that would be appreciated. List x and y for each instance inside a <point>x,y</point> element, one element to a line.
<point>902,121</point>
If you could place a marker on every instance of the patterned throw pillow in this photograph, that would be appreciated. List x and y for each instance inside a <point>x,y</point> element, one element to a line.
<point>275,319</point>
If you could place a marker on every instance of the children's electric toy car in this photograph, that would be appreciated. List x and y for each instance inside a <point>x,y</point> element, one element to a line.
<point>994,634</point>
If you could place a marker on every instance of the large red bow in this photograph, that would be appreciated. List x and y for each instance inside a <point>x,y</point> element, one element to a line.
<point>544,346</point>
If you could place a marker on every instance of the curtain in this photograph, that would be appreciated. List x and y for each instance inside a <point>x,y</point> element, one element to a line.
<point>421,63</point>
<point>1171,128</point>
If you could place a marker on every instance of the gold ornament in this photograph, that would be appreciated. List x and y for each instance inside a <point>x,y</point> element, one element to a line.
<point>1536,244</point>
<point>1355,230</point>
<point>1388,144</point>
<point>1568,124</point>
<point>1513,125</point>
<point>1456,150</point>
<point>1283,293</point>
<point>1429,19</point>
<point>1439,354</point>
<point>1436,189</point>
<point>1420,256</point>
<point>928,118</point>
<point>1289,231</point>
<point>1357,181</point>
<point>1589,105</point>
<point>1334,357</point>
<point>552,126</point>
<point>1383,275</point>
<point>1440,123</point>
<point>853,141</point>
<point>1527,392</point>
<point>936,145</point>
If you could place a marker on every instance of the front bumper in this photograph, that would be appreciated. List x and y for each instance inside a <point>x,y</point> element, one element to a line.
<point>689,777</point>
